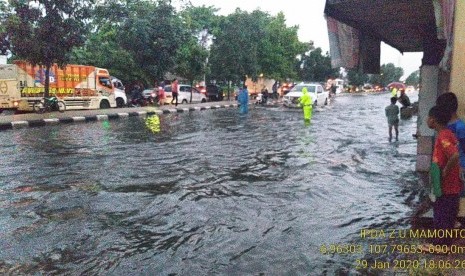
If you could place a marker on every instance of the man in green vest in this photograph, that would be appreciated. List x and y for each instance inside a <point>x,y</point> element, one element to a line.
<point>306,104</point>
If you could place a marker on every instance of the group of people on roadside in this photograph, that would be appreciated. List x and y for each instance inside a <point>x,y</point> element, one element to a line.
<point>447,168</point>
<point>136,92</point>
<point>161,92</point>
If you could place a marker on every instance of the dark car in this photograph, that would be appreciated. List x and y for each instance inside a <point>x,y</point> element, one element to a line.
<point>214,92</point>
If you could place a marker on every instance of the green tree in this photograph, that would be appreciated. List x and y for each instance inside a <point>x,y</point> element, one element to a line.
<point>137,41</point>
<point>279,48</point>
<point>191,61</point>
<point>102,49</point>
<point>152,35</point>
<point>316,67</point>
<point>389,73</point>
<point>250,44</point>
<point>234,49</point>
<point>44,32</point>
<point>356,77</point>
<point>413,78</point>
<point>197,19</point>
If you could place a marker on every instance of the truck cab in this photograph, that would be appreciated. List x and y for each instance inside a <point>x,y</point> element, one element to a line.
<point>120,94</point>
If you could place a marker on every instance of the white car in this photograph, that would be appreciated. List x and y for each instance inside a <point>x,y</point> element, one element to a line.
<point>317,93</point>
<point>120,95</point>
<point>184,94</point>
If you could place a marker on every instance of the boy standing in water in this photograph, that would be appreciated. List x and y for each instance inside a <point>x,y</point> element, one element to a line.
<point>446,204</point>
<point>392,114</point>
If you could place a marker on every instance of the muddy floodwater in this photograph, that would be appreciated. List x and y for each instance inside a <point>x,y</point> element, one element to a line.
<point>206,192</point>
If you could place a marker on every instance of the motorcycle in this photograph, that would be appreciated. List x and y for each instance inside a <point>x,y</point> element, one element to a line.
<point>141,101</point>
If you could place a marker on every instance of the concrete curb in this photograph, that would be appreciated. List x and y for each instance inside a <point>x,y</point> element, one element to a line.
<point>105,117</point>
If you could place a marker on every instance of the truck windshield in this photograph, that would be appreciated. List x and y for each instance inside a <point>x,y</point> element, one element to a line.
<point>105,81</point>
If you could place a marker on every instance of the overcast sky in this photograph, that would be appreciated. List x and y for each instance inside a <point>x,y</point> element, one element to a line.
<point>309,16</point>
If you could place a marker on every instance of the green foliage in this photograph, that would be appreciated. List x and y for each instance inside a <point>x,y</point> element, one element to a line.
<point>201,18</point>
<point>191,61</point>
<point>144,40</point>
<point>44,32</point>
<point>135,40</point>
<point>413,78</point>
<point>5,12</point>
<point>250,44</point>
<point>152,35</point>
<point>356,77</point>
<point>316,67</point>
<point>279,48</point>
<point>103,50</point>
<point>389,73</point>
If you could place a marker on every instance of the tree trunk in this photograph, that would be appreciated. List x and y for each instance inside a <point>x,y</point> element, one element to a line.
<point>47,81</point>
<point>229,88</point>
<point>192,90</point>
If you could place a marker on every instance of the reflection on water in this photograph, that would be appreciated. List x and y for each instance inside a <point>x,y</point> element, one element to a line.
<point>205,192</point>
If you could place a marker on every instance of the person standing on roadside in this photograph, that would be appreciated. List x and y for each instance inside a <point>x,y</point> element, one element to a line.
<point>161,93</point>
<point>275,90</point>
<point>243,99</point>
<point>445,179</point>
<point>449,103</point>
<point>175,91</point>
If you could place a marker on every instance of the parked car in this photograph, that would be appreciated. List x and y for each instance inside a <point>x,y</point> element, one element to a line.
<point>316,91</point>
<point>149,92</point>
<point>202,89</point>
<point>214,93</point>
<point>184,94</point>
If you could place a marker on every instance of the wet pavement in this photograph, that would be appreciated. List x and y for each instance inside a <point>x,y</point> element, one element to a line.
<point>210,192</point>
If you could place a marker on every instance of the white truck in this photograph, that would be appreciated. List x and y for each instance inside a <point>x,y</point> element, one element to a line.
<point>79,86</point>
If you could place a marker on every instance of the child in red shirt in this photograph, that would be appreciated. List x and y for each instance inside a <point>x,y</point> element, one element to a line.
<point>445,155</point>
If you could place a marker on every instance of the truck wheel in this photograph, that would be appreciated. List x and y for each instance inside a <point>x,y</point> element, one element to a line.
<point>315,103</point>
<point>203,101</point>
<point>326,101</point>
<point>119,102</point>
<point>104,104</point>
<point>184,101</point>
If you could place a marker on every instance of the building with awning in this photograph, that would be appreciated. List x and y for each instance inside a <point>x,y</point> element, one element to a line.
<point>434,27</point>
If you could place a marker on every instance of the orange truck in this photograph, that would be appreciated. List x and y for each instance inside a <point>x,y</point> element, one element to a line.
<point>79,86</point>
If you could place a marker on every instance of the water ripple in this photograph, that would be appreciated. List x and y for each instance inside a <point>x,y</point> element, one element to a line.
<point>211,193</point>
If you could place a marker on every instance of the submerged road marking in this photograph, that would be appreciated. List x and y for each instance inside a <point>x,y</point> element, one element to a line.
<point>20,124</point>
<point>102,117</point>
<point>52,121</point>
<point>79,119</point>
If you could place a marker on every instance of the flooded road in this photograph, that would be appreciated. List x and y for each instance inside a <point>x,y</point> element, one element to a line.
<point>208,192</point>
